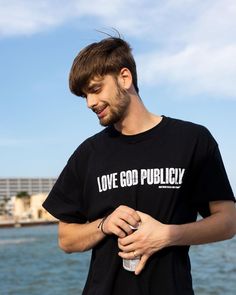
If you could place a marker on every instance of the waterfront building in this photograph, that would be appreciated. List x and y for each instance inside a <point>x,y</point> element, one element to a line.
<point>10,187</point>
<point>30,209</point>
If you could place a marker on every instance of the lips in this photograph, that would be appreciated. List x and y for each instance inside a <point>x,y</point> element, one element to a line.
<point>100,111</point>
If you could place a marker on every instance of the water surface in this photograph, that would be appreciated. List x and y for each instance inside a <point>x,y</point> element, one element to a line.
<point>32,264</point>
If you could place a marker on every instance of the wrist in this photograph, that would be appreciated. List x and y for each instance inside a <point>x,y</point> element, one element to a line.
<point>174,235</point>
<point>101,225</point>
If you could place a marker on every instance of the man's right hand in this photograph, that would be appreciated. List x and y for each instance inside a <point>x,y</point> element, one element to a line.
<point>119,221</point>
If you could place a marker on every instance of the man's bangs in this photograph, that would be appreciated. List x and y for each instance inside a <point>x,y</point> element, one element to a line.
<point>97,70</point>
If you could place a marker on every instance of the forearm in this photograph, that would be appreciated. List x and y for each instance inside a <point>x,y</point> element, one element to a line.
<point>73,237</point>
<point>216,227</point>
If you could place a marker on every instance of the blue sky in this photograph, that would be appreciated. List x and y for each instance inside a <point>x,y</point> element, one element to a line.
<point>186,58</point>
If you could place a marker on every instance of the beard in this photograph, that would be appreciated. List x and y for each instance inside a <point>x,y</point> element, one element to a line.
<point>118,111</point>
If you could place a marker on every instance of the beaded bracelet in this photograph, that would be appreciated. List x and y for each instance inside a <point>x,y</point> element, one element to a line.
<point>100,226</point>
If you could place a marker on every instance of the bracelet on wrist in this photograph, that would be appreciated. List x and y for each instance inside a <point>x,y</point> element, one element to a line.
<point>100,226</point>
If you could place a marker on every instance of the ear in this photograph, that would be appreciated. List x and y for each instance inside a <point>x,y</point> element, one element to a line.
<point>125,78</point>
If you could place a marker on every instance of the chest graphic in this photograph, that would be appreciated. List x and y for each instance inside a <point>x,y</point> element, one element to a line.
<point>162,177</point>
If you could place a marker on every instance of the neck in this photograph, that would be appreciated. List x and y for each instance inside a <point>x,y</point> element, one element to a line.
<point>137,118</point>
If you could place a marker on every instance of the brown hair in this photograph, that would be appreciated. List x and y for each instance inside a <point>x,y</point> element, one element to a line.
<point>108,56</point>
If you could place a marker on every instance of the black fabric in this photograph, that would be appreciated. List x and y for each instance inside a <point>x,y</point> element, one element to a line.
<point>170,172</point>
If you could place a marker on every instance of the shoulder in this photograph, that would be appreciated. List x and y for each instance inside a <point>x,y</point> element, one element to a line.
<point>190,130</point>
<point>192,136</point>
<point>179,124</point>
<point>97,139</point>
<point>88,146</point>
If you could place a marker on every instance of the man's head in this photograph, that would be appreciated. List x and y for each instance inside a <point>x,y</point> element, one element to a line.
<point>108,99</point>
<point>106,57</point>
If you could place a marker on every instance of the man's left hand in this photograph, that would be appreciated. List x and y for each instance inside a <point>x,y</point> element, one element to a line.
<point>150,237</point>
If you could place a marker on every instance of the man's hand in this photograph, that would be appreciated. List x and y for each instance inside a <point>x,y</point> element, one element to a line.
<point>119,221</point>
<point>150,237</point>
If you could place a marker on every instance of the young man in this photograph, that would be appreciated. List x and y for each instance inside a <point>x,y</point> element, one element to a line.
<point>144,170</point>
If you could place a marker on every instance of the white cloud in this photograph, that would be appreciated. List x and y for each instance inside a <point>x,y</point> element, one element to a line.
<point>193,70</point>
<point>25,17</point>
<point>162,21</point>
<point>197,49</point>
<point>195,40</point>
<point>131,17</point>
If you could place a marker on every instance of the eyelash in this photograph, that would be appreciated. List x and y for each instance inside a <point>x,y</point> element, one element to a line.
<point>92,90</point>
<point>96,90</point>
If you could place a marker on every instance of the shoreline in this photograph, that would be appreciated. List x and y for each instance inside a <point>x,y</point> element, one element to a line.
<point>9,224</point>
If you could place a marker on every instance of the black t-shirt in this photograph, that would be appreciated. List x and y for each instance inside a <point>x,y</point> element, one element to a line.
<point>170,172</point>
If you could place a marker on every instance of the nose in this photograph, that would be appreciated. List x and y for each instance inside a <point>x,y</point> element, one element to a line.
<point>92,100</point>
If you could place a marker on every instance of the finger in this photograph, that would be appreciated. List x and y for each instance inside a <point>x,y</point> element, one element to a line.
<point>127,240</point>
<point>114,225</point>
<point>141,264</point>
<point>112,228</point>
<point>124,226</point>
<point>118,232</point>
<point>119,221</point>
<point>130,255</point>
<point>128,248</point>
<point>129,215</point>
<point>141,215</point>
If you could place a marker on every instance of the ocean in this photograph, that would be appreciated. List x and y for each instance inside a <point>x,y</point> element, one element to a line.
<point>32,264</point>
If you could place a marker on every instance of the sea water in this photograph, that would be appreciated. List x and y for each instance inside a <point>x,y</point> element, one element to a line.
<point>32,264</point>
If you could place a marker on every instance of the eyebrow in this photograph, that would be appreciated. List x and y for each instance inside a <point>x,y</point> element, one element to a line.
<point>94,85</point>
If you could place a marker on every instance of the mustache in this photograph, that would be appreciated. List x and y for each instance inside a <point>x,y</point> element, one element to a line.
<point>99,108</point>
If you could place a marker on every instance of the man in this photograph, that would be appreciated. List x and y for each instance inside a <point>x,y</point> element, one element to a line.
<point>143,171</point>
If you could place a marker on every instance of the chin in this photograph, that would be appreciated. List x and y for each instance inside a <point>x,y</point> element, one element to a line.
<point>110,120</point>
<point>105,123</point>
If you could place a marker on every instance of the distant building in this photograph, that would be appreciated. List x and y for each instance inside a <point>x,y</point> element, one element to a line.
<point>9,207</point>
<point>10,187</point>
<point>30,209</point>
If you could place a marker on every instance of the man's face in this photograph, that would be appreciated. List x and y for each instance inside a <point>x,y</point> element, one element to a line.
<point>107,99</point>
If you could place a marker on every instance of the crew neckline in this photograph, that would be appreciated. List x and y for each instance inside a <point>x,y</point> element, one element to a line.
<point>139,136</point>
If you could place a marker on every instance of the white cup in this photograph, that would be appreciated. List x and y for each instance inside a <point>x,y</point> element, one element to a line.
<point>130,264</point>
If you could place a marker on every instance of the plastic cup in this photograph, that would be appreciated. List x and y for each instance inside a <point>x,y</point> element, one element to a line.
<point>130,264</point>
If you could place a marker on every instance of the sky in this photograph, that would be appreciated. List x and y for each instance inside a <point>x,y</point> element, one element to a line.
<point>185,52</point>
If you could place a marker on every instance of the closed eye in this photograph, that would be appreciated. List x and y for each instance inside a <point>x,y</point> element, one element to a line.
<point>95,88</point>
<point>92,89</point>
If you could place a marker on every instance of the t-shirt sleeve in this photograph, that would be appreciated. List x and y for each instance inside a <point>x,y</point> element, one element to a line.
<point>211,181</point>
<point>65,200</point>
